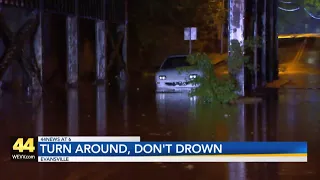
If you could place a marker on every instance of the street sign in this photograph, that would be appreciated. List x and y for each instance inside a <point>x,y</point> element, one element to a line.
<point>190,33</point>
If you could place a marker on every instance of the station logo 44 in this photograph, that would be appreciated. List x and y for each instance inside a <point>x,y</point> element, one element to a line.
<point>24,148</point>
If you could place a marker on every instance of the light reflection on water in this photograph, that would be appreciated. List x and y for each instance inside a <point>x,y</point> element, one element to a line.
<point>138,113</point>
<point>37,115</point>
<point>73,111</point>
<point>101,107</point>
<point>271,120</point>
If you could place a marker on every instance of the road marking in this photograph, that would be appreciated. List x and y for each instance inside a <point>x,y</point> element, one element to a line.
<point>300,52</point>
<point>298,56</point>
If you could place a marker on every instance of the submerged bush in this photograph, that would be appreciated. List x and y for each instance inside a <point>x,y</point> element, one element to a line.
<point>212,88</point>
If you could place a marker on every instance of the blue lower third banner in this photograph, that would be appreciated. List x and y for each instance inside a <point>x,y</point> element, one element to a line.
<point>94,151</point>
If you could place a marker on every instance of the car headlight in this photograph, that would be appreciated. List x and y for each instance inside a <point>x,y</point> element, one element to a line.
<point>162,77</point>
<point>192,76</point>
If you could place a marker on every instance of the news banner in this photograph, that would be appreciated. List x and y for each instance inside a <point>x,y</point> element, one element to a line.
<point>132,149</point>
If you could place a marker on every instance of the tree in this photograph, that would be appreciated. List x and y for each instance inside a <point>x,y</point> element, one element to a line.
<point>312,4</point>
<point>217,15</point>
<point>212,16</point>
<point>160,23</point>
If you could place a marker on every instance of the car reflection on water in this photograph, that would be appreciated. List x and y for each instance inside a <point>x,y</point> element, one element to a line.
<point>174,106</point>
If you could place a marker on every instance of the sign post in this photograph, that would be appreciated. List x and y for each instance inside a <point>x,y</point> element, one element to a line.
<point>190,34</point>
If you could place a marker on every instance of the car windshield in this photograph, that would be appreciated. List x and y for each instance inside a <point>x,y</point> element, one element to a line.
<point>175,62</point>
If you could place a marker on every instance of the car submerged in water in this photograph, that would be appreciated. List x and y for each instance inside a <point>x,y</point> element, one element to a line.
<point>170,79</point>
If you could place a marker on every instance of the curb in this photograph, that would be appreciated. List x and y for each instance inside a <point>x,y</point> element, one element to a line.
<point>219,62</point>
<point>280,85</point>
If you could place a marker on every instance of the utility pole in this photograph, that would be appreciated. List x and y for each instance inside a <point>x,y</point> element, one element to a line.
<point>237,33</point>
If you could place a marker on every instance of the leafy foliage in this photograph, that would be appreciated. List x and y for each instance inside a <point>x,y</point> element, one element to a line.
<point>211,88</point>
<point>311,4</point>
<point>303,3</point>
<point>237,58</point>
<point>216,14</point>
<point>214,89</point>
<point>211,15</point>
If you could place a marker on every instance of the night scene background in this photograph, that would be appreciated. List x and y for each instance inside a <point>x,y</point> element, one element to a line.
<point>287,109</point>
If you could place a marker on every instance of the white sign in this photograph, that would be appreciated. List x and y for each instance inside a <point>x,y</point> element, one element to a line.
<point>190,33</point>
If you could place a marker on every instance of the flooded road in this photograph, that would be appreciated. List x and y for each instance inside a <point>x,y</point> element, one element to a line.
<point>284,115</point>
<point>301,65</point>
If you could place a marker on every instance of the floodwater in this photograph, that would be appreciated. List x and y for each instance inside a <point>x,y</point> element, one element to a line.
<point>286,114</point>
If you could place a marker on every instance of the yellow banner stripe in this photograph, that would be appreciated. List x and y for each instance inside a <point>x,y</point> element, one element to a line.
<point>250,155</point>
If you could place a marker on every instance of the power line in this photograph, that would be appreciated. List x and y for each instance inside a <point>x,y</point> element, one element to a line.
<point>289,10</point>
<point>296,9</point>
<point>309,13</point>
<point>286,2</point>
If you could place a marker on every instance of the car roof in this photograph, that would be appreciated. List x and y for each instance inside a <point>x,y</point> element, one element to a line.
<point>173,56</point>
